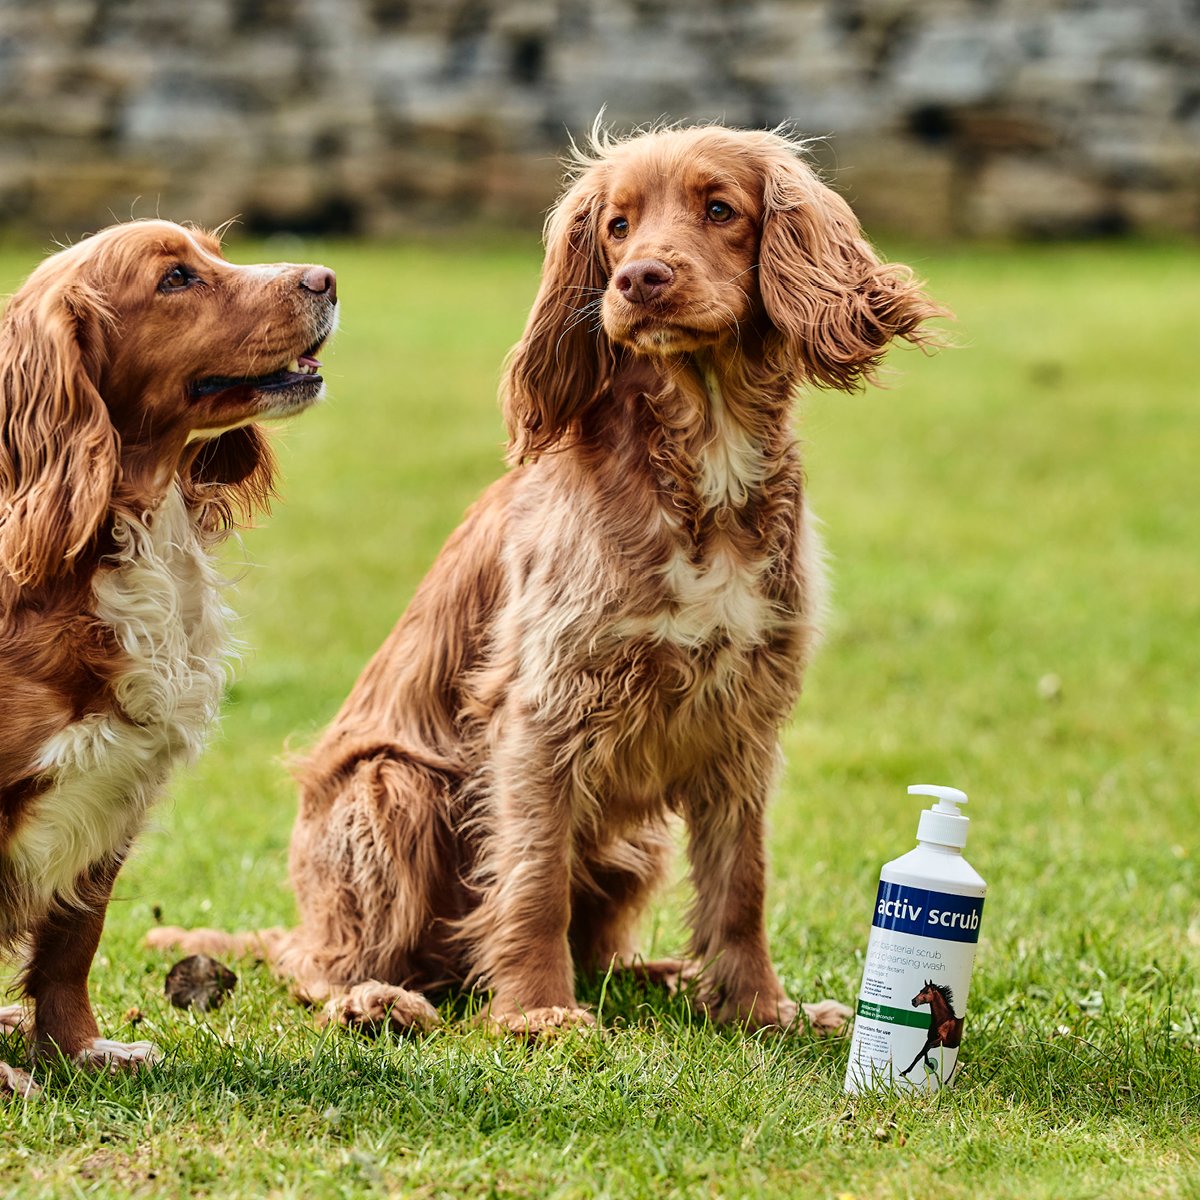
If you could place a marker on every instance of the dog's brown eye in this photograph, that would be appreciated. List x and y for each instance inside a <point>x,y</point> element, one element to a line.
<point>618,227</point>
<point>719,211</point>
<point>176,279</point>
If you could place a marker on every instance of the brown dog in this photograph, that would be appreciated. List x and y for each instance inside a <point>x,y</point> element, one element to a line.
<point>620,626</point>
<point>134,368</point>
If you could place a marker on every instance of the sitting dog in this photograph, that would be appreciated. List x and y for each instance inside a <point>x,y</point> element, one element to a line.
<point>134,368</point>
<point>619,628</point>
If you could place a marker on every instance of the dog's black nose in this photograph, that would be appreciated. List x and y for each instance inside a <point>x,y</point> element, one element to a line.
<point>321,281</point>
<point>643,279</point>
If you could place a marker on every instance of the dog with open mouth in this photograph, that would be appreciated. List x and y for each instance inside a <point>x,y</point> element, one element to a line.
<point>136,368</point>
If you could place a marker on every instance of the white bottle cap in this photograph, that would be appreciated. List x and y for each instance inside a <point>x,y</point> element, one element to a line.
<point>942,824</point>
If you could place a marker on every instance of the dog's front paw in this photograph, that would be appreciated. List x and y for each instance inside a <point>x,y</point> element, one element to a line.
<point>372,1005</point>
<point>100,1054</point>
<point>541,1024</point>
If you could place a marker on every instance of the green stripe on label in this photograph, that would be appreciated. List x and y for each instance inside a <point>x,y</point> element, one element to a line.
<point>892,1016</point>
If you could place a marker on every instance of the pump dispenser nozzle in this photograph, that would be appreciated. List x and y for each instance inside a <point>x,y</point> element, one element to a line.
<point>942,824</point>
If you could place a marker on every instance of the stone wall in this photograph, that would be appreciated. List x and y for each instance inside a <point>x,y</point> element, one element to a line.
<point>936,117</point>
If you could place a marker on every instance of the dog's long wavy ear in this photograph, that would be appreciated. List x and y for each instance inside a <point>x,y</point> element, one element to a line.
<point>563,360</point>
<point>59,459</point>
<point>835,305</point>
<point>232,477</point>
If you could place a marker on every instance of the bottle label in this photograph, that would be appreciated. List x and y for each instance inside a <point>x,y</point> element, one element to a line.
<point>909,1021</point>
<point>927,914</point>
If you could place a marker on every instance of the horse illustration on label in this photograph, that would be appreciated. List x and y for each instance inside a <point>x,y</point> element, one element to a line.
<point>945,1029</point>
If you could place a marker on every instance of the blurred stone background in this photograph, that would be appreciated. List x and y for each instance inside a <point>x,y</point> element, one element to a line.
<point>938,118</point>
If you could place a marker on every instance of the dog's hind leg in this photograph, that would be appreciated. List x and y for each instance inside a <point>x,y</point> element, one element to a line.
<point>376,868</point>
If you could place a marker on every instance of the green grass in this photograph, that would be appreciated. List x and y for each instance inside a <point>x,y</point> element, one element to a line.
<point>1022,506</point>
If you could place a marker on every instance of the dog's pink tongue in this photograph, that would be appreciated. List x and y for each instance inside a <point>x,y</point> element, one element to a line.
<point>308,361</point>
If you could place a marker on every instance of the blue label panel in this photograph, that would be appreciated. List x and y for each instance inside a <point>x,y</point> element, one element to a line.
<point>929,914</point>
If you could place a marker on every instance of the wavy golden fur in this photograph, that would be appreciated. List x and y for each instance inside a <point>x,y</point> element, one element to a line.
<point>620,626</point>
<point>134,369</point>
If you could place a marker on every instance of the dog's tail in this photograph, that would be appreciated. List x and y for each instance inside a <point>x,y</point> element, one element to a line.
<point>264,945</point>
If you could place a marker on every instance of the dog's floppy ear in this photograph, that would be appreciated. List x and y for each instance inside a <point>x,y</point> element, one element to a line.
<point>564,359</point>
<point>58,449</point>
<point>232,477</point>
<point>834,304</point>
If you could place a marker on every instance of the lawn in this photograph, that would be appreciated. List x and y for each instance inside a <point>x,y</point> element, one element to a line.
<point>1015,546</point>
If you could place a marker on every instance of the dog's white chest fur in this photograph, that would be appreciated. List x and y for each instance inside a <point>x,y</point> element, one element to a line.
<point>717,598</point>
<point>722,595</point>
<point>732,463</point>
<point>160,597</point>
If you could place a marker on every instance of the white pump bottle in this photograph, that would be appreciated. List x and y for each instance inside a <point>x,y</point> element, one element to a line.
<point>909,1018</point>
